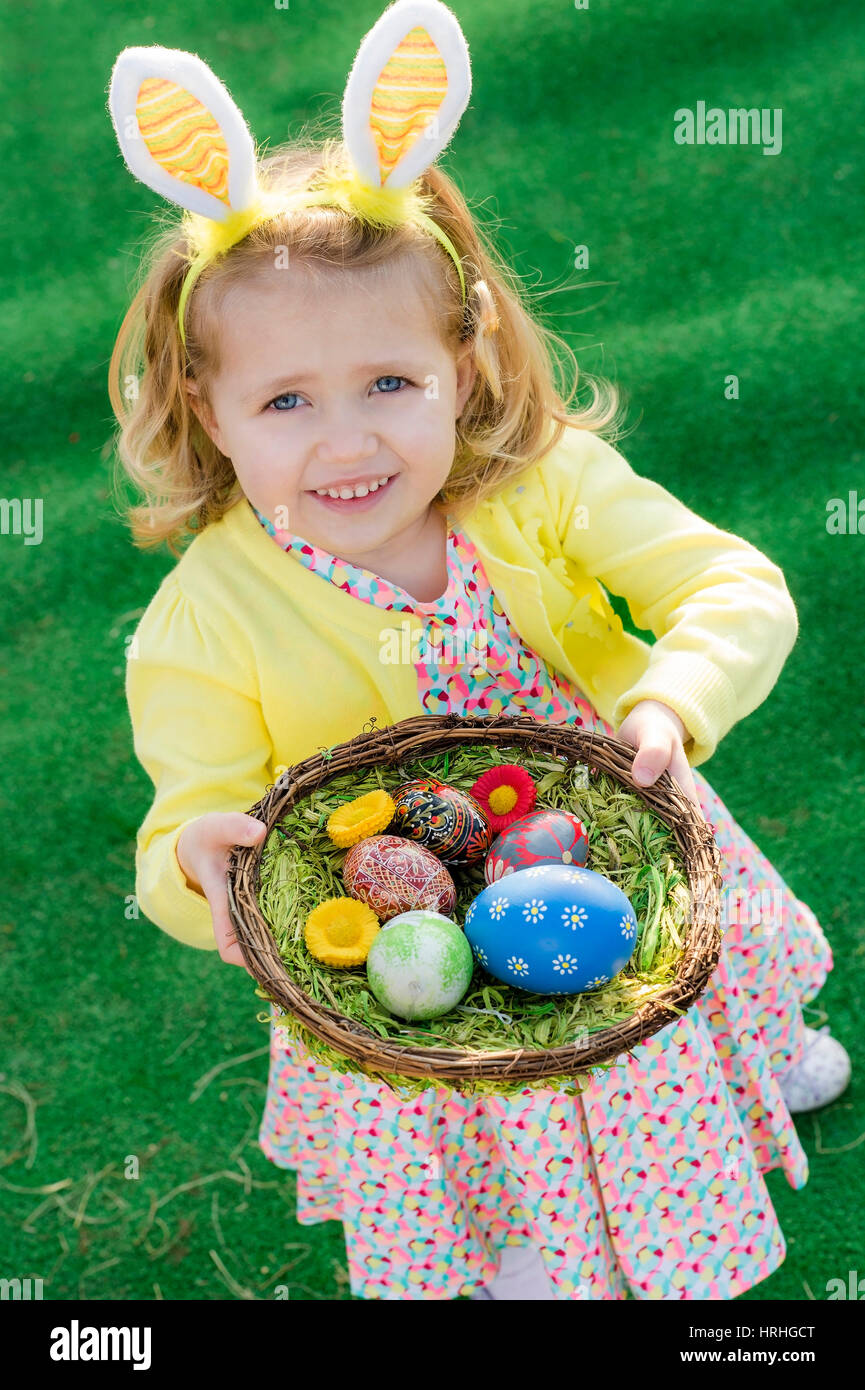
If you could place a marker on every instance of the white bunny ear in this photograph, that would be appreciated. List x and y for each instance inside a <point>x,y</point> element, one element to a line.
<point>407,89</point>
<point>180,132</point>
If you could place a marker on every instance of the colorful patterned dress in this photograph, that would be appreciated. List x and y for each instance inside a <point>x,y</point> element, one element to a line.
<point>650,1184</point>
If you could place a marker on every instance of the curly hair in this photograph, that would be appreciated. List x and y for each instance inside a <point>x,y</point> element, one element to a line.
<point>516,411</point>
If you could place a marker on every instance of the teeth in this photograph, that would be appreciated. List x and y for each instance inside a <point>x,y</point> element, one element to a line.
<point>346,492</point>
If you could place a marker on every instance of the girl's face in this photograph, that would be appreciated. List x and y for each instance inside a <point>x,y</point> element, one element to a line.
<point>333,382</point>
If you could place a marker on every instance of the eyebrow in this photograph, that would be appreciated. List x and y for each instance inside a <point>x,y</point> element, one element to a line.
<point>384,368</point>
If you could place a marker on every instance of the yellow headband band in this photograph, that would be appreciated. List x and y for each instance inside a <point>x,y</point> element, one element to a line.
<point>382,207</point>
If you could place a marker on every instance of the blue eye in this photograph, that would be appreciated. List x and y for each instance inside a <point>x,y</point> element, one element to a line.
<point>392,390</point>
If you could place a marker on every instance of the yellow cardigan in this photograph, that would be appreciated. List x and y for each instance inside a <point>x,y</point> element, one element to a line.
<point>244,659</point>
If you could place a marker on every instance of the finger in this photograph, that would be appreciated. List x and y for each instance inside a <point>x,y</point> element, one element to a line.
<point>680,768</point>
<point>227,829</point>
<point>235,828</point>
<point>652,756</point>
<point>251,832</point>
<point>223,927</point>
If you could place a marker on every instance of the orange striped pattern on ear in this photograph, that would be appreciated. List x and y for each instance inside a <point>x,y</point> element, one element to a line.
<point>182,136</point>
<point>409,92</point>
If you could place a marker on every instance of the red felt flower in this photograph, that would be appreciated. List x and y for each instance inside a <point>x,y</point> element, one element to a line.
<point>505,793</point>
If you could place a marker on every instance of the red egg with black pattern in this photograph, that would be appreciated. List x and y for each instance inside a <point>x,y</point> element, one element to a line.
<point>541,837</point>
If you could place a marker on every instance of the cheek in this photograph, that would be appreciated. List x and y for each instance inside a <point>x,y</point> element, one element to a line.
<point>434,425</point>
<point>271,447</point>
<point>430,452</point>
<point>265,469</point>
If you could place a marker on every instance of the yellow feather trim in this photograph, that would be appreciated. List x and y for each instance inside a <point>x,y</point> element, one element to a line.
<point>208,238</point>
<point>380,207</point>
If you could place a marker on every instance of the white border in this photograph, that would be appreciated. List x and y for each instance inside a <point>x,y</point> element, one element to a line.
<point>375,50</point>
<point>189,71</point>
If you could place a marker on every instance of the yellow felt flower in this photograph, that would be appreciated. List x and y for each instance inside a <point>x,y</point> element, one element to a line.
<point>358,819</point>
<point>340,931</point>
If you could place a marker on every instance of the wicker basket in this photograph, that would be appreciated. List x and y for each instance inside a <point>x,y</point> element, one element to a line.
<point>430,734</point>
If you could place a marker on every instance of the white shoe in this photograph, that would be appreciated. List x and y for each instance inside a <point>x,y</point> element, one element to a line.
<point>522,1276</point>
<point>821,1074</point>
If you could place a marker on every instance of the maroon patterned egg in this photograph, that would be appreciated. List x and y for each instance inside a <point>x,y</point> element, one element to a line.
<point>541,837</point>
<point>391,875</point>
<point>446,821</point>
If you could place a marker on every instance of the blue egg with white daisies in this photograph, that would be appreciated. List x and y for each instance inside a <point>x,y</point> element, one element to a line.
<point>552,929</point>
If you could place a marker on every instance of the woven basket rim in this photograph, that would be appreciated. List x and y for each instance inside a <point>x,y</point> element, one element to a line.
<point>409,740</point>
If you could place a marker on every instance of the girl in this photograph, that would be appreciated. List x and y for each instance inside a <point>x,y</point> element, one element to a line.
<point>347,403</point>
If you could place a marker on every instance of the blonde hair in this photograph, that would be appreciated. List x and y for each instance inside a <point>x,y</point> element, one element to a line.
<point>516,410</point>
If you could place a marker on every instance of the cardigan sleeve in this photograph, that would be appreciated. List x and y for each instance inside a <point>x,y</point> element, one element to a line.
<point>199,733</point>
<point>720,610</point>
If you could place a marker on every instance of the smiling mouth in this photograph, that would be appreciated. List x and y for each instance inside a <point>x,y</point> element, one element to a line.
<point>355,494</point>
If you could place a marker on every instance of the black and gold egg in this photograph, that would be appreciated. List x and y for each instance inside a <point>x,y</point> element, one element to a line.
<point>446,821</point>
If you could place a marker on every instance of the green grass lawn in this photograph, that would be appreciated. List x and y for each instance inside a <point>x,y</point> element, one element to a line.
<point>121,1045</point>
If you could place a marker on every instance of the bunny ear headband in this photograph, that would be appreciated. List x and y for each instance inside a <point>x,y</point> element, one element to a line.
<point>181,133</point>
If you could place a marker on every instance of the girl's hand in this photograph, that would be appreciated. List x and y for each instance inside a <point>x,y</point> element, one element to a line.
<point>202,853</point>
<point>658,734</point>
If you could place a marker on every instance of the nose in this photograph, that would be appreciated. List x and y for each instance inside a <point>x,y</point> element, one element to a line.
<point>344,441</point>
